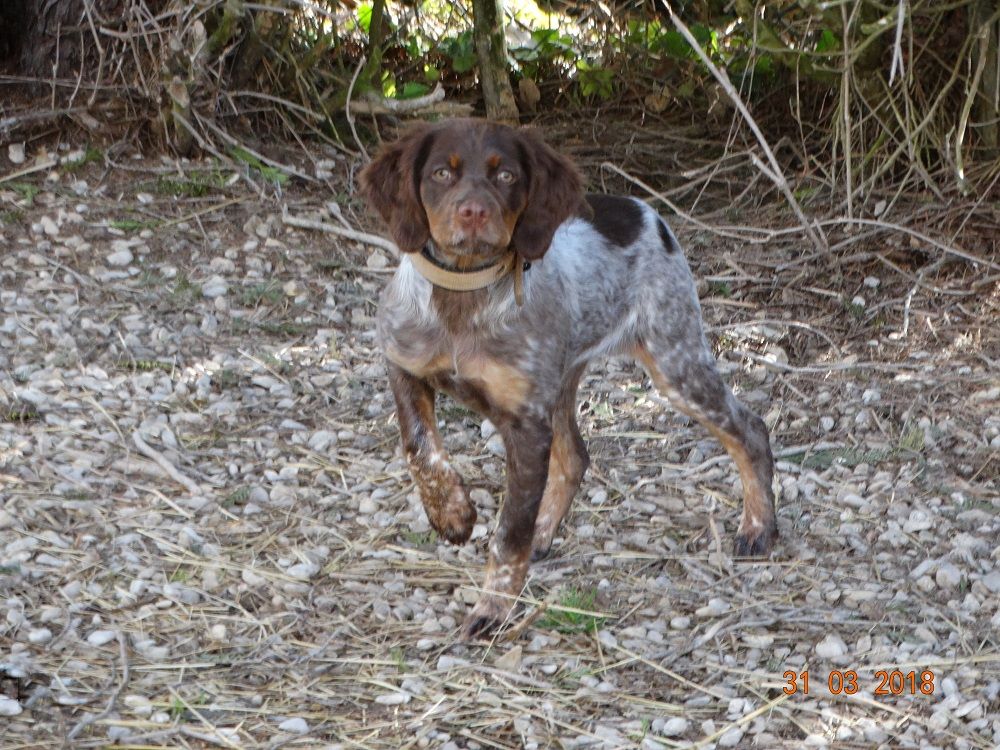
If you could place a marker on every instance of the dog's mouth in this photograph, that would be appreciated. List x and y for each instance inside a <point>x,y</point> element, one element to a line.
<point>465,249</point>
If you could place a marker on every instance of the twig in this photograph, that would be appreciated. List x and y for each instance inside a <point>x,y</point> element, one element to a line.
<point>774,173</point>
<point>347,107</point>
<point>765,233</point>
<point>404,106</point>
<point>897,47</point>
<point>351,234</point>
<point>164,464</point>
<point>91,718</point>
<point>28,170</point>
<point>8,123</point>
<point>963,120</point>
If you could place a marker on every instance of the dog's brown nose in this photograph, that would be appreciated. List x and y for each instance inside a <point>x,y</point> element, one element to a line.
<point>472,215</point>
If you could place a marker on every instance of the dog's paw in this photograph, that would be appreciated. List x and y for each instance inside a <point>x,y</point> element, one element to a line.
<point>489,613</point>
<point>455,518</point>
<point>445,501</point>
<point>541,546</point>
<point>755,541</point>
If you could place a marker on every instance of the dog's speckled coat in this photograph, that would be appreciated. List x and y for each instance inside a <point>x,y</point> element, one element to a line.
<point>607,277</point>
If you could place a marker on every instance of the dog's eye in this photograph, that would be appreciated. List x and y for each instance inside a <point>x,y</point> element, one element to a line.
<point>506,177</point>
<point>441,175</point>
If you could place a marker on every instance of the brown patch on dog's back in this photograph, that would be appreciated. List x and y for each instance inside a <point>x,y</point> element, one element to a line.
<point>619,220</point>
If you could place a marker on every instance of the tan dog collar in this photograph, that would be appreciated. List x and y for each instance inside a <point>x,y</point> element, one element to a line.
<point>469,281</point>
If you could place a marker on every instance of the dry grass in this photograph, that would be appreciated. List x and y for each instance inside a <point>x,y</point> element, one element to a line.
<point>237,574</point>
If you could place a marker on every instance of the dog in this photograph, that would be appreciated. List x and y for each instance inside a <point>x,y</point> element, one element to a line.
<point>511,280</point>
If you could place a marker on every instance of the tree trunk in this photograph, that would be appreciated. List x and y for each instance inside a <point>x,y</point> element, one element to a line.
<point>986,110</point>
<point>371,76</point>
<point>491,47</point>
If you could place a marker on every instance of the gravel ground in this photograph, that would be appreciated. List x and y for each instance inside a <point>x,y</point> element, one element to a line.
<point>208,537</point>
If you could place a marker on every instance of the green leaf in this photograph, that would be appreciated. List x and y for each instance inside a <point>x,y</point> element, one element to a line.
<point>412,89</point>
<point>828,42</point>
<point>545,44</point>
<point>364,17</point>
<point>595,81</point>
<point>764,65</point>
<point>269,173</point>
<point>674,44</point>
<point>461,50</point>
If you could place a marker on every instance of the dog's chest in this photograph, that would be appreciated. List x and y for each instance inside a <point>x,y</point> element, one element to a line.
<point>477,365</point>
<point>463,368</point>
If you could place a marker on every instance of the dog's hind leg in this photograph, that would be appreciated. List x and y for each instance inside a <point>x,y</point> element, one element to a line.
<point>568,461</point>
<point>683,369</point>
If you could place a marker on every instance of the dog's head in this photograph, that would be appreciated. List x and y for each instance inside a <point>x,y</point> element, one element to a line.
<point>476,188</point>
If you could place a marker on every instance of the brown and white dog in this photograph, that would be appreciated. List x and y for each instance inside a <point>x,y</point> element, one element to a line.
<point>511,281</point>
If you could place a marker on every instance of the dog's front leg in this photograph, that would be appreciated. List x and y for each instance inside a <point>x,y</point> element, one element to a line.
<point>528,443</point>
<point>447,506</point>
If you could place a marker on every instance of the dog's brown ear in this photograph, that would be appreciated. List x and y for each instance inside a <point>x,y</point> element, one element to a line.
<point>554,194</point>
<point>391,185</point>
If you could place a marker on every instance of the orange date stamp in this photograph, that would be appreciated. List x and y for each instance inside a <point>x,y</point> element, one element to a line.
<point>846,682</point>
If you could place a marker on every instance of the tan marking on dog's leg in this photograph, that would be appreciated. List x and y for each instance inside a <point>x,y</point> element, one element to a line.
<point>745,438</point>
<point>567,464</point>
<point>506,387</point>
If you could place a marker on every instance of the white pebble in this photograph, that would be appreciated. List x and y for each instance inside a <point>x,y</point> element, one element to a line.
<point>140,705</point>
<point>321,440</point>
<point>120,257</point>
<point>731,738</point>
<point>303,571</point>
<point>487,429</point>
<point>393,699</point>
<point>15,152</point>
<point>251,578</point>
<point>9,707</point>
<point>675,726</point>
<point>40,635</point>
<point>49,226</point>
<point>948,576</point>
<point>831,647</point>
<point>296,726</point>
<point>495,445</point>
<point>215,287</point>
<point>100,637</point>
<point>714,608</point>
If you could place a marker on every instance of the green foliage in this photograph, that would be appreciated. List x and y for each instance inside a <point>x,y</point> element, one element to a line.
<point>90,155</point>
<point>364,17</point>
<point>197,185</point>
<point>461,50</point>
<point>132,225</point>
<point>575,613</point>
<point>828,42</point>
<point>239,496</point>
<point>268,292</point>
<point>594,81</point>
<point>545,44</point>
<point>412,90</point>
<point>20,412</point>
<point>269,173</point>
<point>26,191</point>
